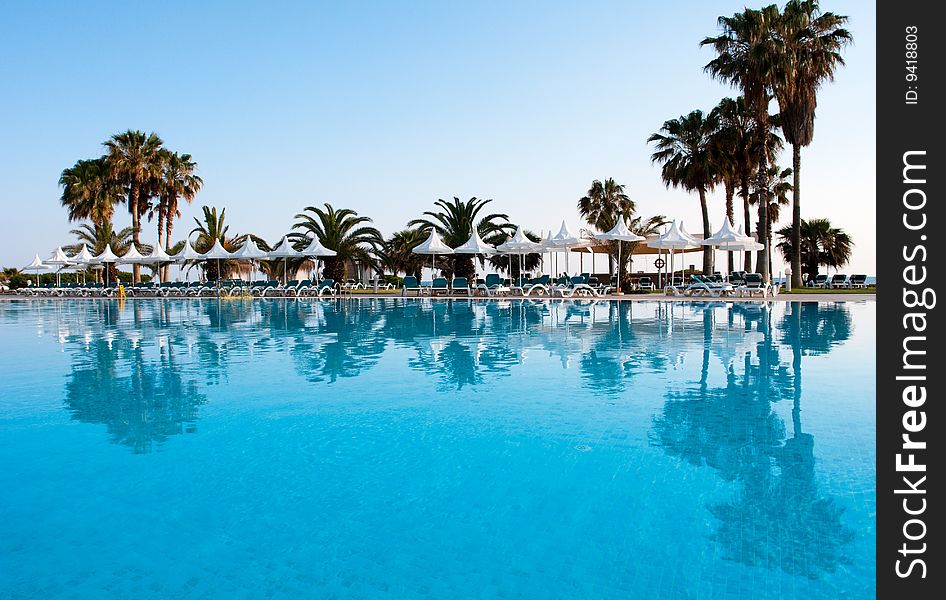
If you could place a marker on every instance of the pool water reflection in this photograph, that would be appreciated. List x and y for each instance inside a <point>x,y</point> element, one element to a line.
<point>411,448</point>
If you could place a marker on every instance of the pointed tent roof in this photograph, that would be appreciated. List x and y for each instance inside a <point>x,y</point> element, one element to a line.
<point>186,253</point>
<point>217,251</point>
<point>283,250</point>
<point>725,236</point>
<point>432,245</point>
<point>58,257</point>
<point>519,242</point>
<point>36,265</point>
<point>83,256</point>
<point>107,256</point>
<point>315,248</point>
<point>249,251</point>
<point>563,238</point>
<point>132,255</point>
<point>475,245</point>
<point>158,255</point>
<point>621,232</point>
<point>676,238</point>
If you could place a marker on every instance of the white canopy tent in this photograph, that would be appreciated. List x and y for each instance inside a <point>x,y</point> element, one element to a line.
<point>519,244</point>
<point>675,238</point>
<point>563,240</point>
<point>285,251</point>
<point>217,252</point>
<point>620,233</point>
<point>316,250</point>
<point>187,254</point>
<point>727,238</point>
<point>106,257</point>
<point>433,246</point>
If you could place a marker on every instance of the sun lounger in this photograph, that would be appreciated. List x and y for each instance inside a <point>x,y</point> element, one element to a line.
<point>439,286</point>
<point>645,283</point>
<point>858,281</point>
<point>838,281</point>
<point>819,281</point>
<point>411,285</point>
<point>754,286</point>
<point>460,285</point>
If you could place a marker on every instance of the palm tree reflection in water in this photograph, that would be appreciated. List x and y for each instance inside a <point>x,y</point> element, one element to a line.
<point>777,517</point>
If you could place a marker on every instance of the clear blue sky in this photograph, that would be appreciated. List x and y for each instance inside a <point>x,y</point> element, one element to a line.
<point>385,107</point>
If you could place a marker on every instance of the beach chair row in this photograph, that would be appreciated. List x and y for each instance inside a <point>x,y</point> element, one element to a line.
<point>839,281</point>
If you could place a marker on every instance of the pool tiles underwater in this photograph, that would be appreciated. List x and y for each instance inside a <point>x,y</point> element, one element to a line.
<point>417,448</point>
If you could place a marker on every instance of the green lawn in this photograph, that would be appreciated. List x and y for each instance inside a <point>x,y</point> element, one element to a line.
<point>801,291</point>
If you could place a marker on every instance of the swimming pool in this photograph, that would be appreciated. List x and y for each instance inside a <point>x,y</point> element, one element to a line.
<point>418,448</point>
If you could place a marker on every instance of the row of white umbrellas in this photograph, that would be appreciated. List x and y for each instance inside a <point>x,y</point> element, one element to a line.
<point>59,260</point>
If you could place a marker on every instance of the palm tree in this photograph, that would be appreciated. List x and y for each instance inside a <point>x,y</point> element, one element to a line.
<point>99,235</point>
<point>737,154</point>
<point>821,244</point>
<point>210,230</point>
<point>397,256</point>
<point>602,204</point>
<point>88,192</point>
<point>745,54</point>
<point>341,230</point>
<point>454,223</point>
<point>773,192</point>
<point>684,147</point>
<point>808,55</point>
<point>133,158</point>
<point>178,181</point>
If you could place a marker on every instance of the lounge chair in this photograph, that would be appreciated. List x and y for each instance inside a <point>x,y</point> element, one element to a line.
<point>858,281</point>
<point>646,283</point>
<point>460,285</point>
<point>537,286</point>
<point>819,281</point>
<point>707,286</point>
<point>439,286</point>
<point>411,285</point>
<point>754,286</point>
<point>838,281</point>
<point>326,286</point>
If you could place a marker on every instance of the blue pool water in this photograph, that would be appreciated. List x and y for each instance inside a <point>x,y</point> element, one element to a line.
<point>392,448</point>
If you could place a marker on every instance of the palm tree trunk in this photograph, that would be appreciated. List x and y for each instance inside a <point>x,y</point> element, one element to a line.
<point>796,214</point>
<point>762,260</point>
<point>707,253</point>
<point>729,215</point>
<point>133,207</point>
<point>169,226</point>
<point>744,192</point>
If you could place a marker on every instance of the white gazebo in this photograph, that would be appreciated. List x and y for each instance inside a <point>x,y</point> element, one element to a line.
<point>285,251</point>
<point>433,246</point>
<point>519,244</point>
<point>676,238</point>
<point>316,250</point>
<point>620,233</point>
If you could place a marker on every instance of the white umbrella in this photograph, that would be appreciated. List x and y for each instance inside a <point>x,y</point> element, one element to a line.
<point>727,238</point>
<point>131,256</point>
<point>316,250</point>
<point>284,251</point>
<point>217,252</point>
<point>564,239</point>
<point>59,259</point>
<point>519,244</point>
<point>84,258</point>
<point>620,233</point>
<point>187,254</point>
<point>156,257</point>
<point>433,246</point>
<point>36,266</point>
<point>676,238</point>
<point>105,257</point>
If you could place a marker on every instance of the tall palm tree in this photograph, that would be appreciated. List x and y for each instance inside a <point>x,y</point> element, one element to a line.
<point>809,54</point>
<point>745,50</point>
<point>737,151</point>
<point>88,192</point>
<point>773,191</point>
<point>821,244</point>
<point>133,158</point>
<point>99,235</point>
<point>601,205</point>
<point>341,230</point>
<point>178,181</point>
<point>454,222</point>
<point>684,147</point>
